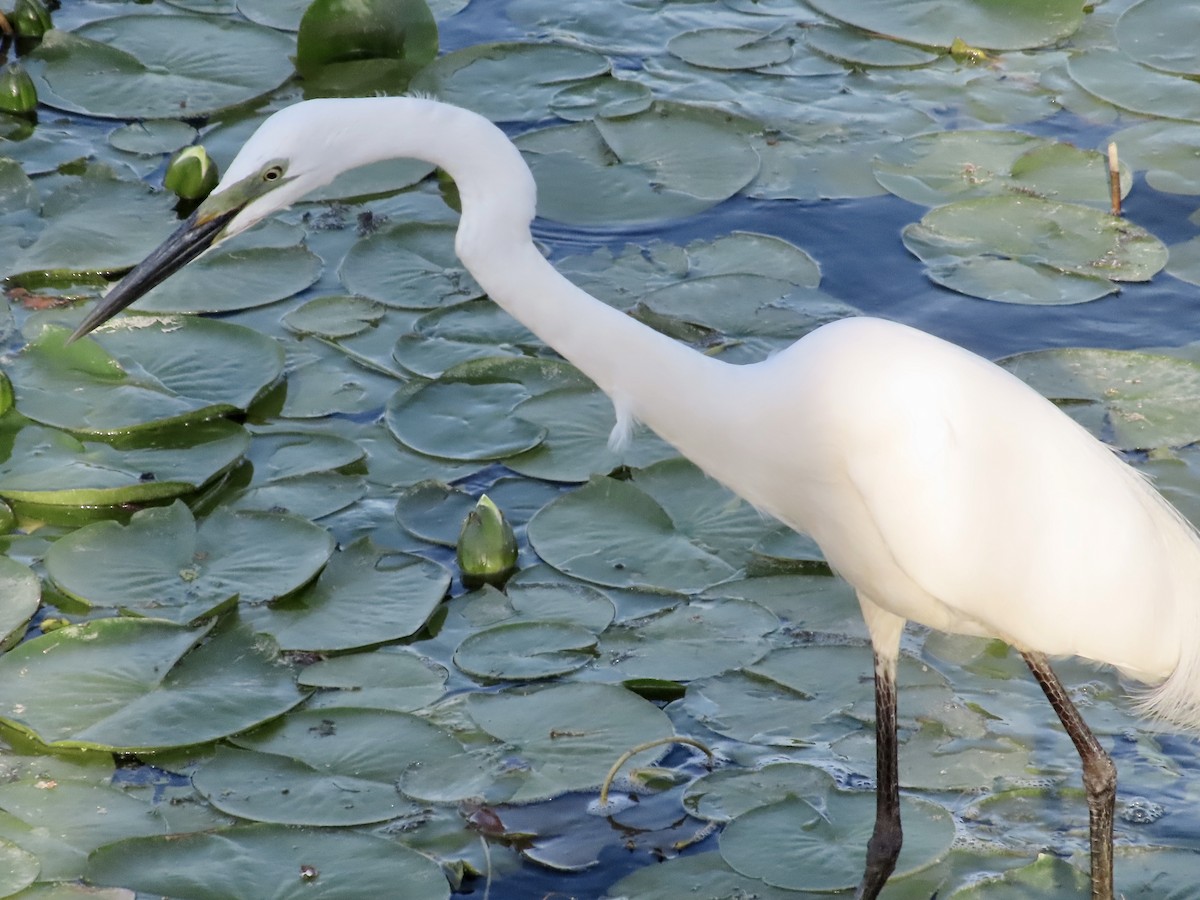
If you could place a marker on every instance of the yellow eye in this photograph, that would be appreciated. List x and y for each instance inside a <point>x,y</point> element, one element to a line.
<point>273,174</point>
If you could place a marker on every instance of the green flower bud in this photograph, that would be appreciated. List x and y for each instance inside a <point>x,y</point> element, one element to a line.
<point>487,547</point>
<point>17,93</point>
<point>30,19</point>
<point>191,174</point>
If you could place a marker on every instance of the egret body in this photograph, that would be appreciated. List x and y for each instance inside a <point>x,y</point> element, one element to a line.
<point>945,490</point>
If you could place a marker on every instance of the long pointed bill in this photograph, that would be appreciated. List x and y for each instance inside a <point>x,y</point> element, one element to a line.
<point>187,242</point>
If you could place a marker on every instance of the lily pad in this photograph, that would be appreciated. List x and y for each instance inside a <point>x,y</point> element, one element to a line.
<point>18,868</point>
<point>1156,33</point>
<point>794,845</point>
<point>142,684</point>
<point>133,67</point>
<point>525,651</point>
<point>163,564</point>
<point>1026,250</point>
<point>860,48</point>
<point>20,593</point>
<point>730,48</point>
<point>662,167</point>
<point>143,373</point>
<point>322,767</point>
<point>408,267</point>
<point>47,466</point>
<point>1120,80</point>
<point>388,678</point>
<point>456,420</point>
<point>987,24</point>
<point>249,862</point>
<point>334,317</point>
<point>366,595</point>
<point>1147,400</point>
<point>508,82</point>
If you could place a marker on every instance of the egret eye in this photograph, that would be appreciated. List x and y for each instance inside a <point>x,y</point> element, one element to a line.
<point>274,173</point>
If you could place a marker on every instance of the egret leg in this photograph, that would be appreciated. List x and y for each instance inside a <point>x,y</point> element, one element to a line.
<point>884,846</point>
<point>1099,775</point>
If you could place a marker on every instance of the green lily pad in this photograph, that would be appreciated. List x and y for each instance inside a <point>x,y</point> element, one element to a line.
<point>945,166</point>
<point>1120,80</point>
<point>407,266</point>
<point>987,24</point>
<point>613,533</point>
<point>163,564</point>
<point>355,48</point>
<point>1147,400</point>
<point>232,278</point>
<point>859,48</point>
<point>1156,34</point>
<point>508,82</point>
<point>693,640</point>
<point>306,474</point>
<point>92,225</point>
<point>18,868</point>
<point>476,329</point>
<point>1019,249</point>
<point>578,422</point>
<point>730,48</point>
<point>525,651</point>
<point>143,373</point>
<point>334,317</point>
<point>142,684</point>
<point>1048,878</point>
<point>366,595</point>
<point>794,845</point>
<point>249,862</point>
<point>457,420</point>
<point>393,678</point>
<point>568,735</point>
<point>662,167</point>
<point>694,876</point>
<point>20,593</point>
<point>1165,150</point>
<point>601,96</point>
<point>322,767</point>
<point>152,137</point>
<point>46,466</point>
<point>725,794</point>
<point>134,67</point>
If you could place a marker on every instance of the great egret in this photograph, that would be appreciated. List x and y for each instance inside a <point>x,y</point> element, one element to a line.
<point>945,490</point>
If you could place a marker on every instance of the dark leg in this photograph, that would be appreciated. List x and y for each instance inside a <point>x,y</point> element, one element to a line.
<point>884,846</point>
<point>1099,775</point>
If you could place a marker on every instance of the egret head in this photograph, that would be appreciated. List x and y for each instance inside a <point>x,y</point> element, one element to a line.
<point>277,166</point>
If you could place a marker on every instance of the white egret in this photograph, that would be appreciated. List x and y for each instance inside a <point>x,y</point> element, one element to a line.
<point>945,490</point>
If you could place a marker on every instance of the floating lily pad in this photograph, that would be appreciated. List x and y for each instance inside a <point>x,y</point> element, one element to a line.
<point>249,862</point>
<point>1166,150</point>
<point>944,166</point>
<point>456,420</point>
<point>140,372</point>
<point>662,167</point>
<point>152,137</point>
<point>20,593</point>
<point>508,82</point>
<point>133,67</point>
<point>1157,34</point>
<point>794,845</point>
<point>232,278</point>
<point>142,684</point>
<point>388,678</point>
<point>859,48</point>
<point>92,225</point>
<point>725,794</point>
<point>47,466</point>
<point>691,641</point>
<point>366,595</point>
<point>164,564</point>
<point>310,475</point>
<point>1122,81</point>
<point>568,735</point>
<point>988,24</point>
<point>1027,250</point>
<point>322,767</point>
<point>694,876</point>
<point>730,48</point>
<point>1147,400</point>
<point>614,533</point>
<point>525,651</point>
<point>408,267</point>
<point>334,317</point>
<point>600,96</point>
<point>18,868</point>
<point>476,329</point>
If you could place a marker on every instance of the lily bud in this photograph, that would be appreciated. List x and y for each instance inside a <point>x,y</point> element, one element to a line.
<point>487,547</point>
<point>191,174</point>
<point>17,92</point>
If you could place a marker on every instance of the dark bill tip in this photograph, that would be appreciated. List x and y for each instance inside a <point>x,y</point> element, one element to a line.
<point>187,242</point>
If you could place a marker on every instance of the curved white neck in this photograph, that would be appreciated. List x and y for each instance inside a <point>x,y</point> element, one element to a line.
<point>648,375</point>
